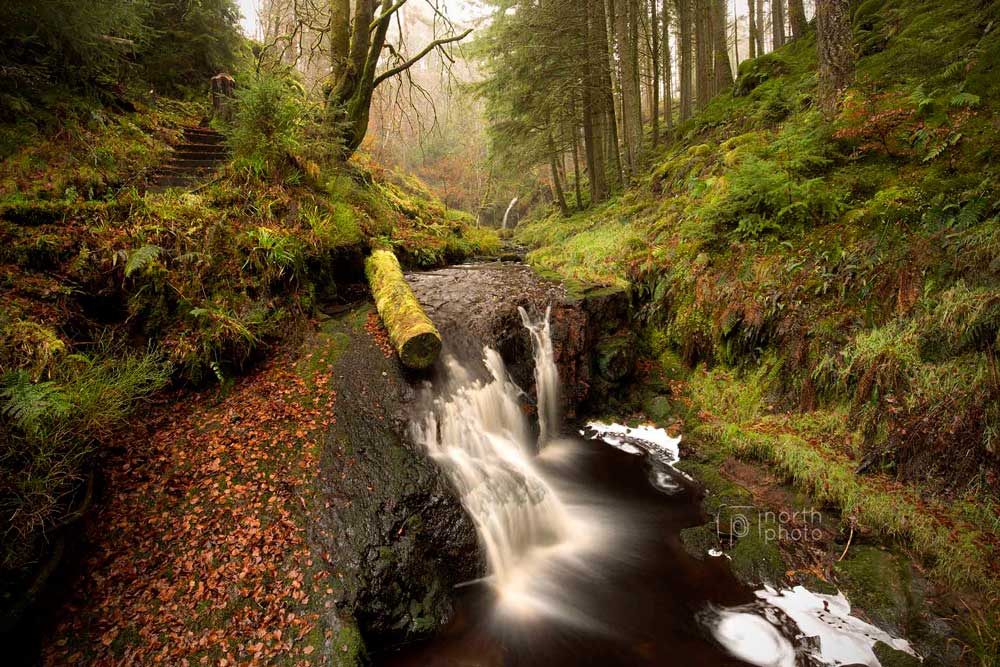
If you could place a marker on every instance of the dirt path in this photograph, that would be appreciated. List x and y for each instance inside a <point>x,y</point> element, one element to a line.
<point>199,552</point>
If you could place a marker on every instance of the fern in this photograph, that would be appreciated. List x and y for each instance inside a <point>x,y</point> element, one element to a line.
<point>279,250</point>
<point>970,214</point>
<point>983,332</point>
<point>141,258</point>
<point>28,403</point>
<point>967,100</point>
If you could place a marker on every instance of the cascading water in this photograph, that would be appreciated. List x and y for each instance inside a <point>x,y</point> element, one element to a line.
<point>506,215</point>
<point>583,542</point>
<point>546,374</point>
<point>477,431</point>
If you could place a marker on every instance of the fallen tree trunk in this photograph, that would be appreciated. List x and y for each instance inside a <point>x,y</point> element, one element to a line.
<point>412,333</point>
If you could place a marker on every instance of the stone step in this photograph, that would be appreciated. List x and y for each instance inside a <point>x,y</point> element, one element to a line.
<point>195,163</point>
<point>210,149</point>
<point>201,136</point>
<point>195,155</point>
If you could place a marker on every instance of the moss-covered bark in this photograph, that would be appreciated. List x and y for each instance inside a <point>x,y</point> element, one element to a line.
<point>412,333</point>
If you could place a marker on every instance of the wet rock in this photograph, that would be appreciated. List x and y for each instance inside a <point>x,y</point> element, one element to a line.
<point>393,529</point>
<point>477,305</point>
<point>890,657</point>
<point>894,596</point>
<point>616,357</point>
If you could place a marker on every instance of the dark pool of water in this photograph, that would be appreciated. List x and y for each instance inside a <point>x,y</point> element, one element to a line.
<point>642,597</point>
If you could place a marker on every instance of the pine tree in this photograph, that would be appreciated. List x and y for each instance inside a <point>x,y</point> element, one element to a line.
<point>797,18</point>
<point>835,47</point>
<point>723,73</point>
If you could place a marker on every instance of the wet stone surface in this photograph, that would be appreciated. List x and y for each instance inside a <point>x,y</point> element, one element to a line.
<point>477,305</point>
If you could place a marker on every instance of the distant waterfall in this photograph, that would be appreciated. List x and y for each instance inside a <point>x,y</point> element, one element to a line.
<point>506,215</point>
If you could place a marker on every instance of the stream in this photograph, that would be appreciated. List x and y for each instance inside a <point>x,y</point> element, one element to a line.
<point>580,525</point>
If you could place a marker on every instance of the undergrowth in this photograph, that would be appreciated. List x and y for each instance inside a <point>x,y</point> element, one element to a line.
<point>183,287</point>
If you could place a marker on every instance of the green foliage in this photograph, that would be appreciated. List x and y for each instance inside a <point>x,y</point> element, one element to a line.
<point>53,428</point>
<point>104,44</point>
<point>581,247</point>
<point>337,229</point>
<point>191,42</point>
<point>141,259</point>
<point>267,129</point>
<point>274,252</point>
<point>26,403</point>
<point>760,198</point>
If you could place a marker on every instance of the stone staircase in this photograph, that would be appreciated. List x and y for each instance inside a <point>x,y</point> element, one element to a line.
<point>201,153</point>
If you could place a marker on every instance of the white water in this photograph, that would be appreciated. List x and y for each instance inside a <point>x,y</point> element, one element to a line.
<point>478,432</point>
<point>506,215</point>
<point>546,374</point>
<point>821,627</point>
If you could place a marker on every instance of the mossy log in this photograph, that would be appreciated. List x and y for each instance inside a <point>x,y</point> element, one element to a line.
<point>412,333</point>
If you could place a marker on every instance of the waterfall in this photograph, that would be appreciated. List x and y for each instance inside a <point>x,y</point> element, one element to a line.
<point>477,431</point>
<point>546,374</point>
<point>506,215</point>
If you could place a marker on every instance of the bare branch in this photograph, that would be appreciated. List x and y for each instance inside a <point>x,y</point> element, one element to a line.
<point>385,16</point>
<point>415,59</point>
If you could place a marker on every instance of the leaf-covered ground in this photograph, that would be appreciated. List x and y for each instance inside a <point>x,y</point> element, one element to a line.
<point>199,554</point>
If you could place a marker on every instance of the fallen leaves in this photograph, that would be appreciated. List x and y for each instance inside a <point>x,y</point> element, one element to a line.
<point>379,334</point>
<point>199,554</point>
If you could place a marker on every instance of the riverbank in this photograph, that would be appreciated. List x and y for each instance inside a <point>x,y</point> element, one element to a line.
<point>819,306</point>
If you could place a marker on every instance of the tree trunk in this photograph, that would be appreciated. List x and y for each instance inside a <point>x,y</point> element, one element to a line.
<point>340,37</point>
<point>704,46</point>
<point>349,103</point>
<point>654,30</point>
<point>668,74</point>
<point>797,18</point>
<point>626,34</point>
<point>616,139</point>
<point>778,23</point>
<point>753,29</point>
<point>576,169</point>
<point>559,195</point>
<point>723,77</point>
<point>684,46</point>
<point>354,80</point>
<point>736,37</point>
<point>410,330</point>
<point>759,32</point>
<point>835,48</point>
<point>597,93</point>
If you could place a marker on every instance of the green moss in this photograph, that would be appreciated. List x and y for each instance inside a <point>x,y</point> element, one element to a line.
<point>412,333</point>
<point>890,657</point>
<point>880,583</point>
<point>756,559</point>
<point>699,539</point>
<point>348,646</point>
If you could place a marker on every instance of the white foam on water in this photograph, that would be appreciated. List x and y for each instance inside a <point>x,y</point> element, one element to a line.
<point>821,627</point>
<point>753,639</point>
<point>655,442</point>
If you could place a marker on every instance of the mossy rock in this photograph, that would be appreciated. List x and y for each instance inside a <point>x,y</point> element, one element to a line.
<point>757,560</point>
<point>698,540</point>
<point>34,213</point>
<point>754,72</point>
<point>658,409</point>
<point>616,357</point>
<point>890,657</point>
<point>881,583</point>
